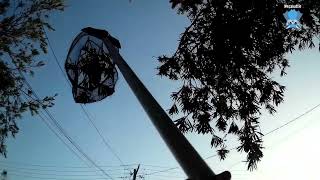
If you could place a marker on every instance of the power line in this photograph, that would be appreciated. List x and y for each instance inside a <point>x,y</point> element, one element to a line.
<point>57,170</point>
<point>161,171</point>
<point>51,174</point>
<point>273,129</point>
<point>15,163</point>
<point>41,116</point>
<point>155,166</point>
<point>50,178</point>
<point>53,166</point>
<point>270,132</point>
<point>48,125</point>
<point>282,126</point>
<point>43,178</point>
<point>293,120</point>
<point>44,119</point>
<point>59,174</point>
<point>77,169</point>
<point>158,175</point>
<point>38,170</point>
<point>100,134</point>
<point>106,143</point>
<point>62,131</point>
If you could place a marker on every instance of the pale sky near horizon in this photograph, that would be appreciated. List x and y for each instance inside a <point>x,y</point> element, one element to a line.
<point>147,29</point>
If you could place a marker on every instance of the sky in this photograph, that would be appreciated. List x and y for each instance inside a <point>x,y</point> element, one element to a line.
<point>147,29</point>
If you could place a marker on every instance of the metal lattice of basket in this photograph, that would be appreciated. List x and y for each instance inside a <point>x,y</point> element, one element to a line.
<point>90,68</point>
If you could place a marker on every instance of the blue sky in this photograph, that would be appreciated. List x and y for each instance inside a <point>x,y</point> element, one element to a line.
<point>147,29</point>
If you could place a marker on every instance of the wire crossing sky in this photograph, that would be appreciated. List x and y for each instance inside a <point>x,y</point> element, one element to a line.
<point>146,30</point>
<point>86,113</point>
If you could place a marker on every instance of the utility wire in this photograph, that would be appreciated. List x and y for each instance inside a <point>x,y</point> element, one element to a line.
<point>59,174</point>
<point>15,163</point>
<point>277,128</point>
<point>70,173</point>
<point>268,133</point>
<point>53,166</point>
<point>43,178</point>
<point>161,171</point>
<point>106,143</point>
<point>109,147</point>
<point>285,124</point>
<point>293,120</point>
<point>51,178</point>
<point>100,134</point>
<point>79,169</point>
<point>63,132</point>
<point>41,116</point>
<point>56,170</point>
<point>158,175</point>
<point>77,173</point>
<point>48,125</point>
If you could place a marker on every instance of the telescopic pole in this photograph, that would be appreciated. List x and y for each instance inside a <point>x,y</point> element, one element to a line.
<point>188,158</point>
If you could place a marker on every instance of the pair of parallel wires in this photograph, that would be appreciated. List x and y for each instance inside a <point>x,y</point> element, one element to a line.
<point>46,116</point>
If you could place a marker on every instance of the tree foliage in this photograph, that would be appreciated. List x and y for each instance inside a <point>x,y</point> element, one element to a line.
<point>225,59</point>
<point>22,38</point>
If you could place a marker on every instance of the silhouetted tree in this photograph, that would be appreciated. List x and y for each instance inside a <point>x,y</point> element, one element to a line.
<point>225,59</point>
<point>22,36</point>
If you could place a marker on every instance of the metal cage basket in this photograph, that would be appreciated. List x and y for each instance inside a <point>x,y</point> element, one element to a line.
<point>90,68</point>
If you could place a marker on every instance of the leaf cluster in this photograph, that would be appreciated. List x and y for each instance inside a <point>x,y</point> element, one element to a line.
<point>22,38</point>
<point>225,60</point>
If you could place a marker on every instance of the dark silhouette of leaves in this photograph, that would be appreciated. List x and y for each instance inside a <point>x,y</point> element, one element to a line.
<point>233,129</point>
<point>183,124</point>
<point>216,141</point>
<point>223,153</point>
<point>173,109</point>
<point>225,59</point>
<point>21,39</point>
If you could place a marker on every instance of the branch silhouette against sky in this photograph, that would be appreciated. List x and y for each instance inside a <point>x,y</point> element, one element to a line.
<point>225,60</point>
